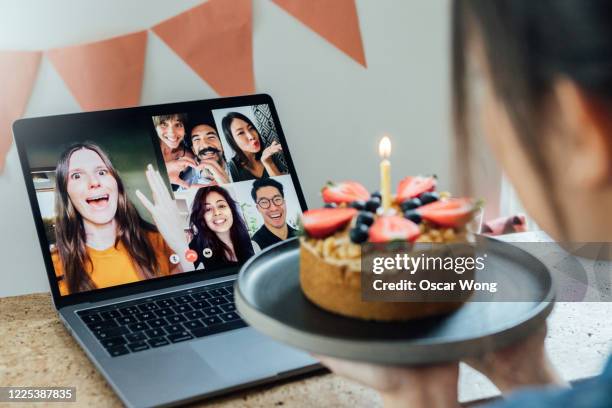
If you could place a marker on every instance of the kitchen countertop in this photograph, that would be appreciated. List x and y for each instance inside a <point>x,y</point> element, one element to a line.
<point>36,350</point>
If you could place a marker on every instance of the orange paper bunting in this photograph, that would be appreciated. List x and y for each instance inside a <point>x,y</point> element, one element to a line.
<point>215,39</point>
<point>334,20</point>
<point>105,74</point>
<point>18,69</point>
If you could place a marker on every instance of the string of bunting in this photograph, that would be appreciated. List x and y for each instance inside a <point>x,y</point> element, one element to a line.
<point>215,39</point>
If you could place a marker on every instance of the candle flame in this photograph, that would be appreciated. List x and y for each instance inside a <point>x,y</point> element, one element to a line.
<point>384,147</point>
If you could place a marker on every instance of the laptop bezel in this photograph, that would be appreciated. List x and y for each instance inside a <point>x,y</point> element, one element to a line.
<point>25,132</point>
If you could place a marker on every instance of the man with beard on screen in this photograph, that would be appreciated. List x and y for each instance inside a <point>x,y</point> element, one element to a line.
<point>270,200</point>
<point>212,168</point>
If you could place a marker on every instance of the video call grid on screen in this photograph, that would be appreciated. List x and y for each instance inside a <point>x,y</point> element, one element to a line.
<point>198,158</point>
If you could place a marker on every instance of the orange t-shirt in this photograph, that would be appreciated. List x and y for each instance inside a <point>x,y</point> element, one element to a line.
<point>113,266</point>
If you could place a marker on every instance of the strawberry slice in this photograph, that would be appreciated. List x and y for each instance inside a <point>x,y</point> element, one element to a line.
<point>393,227</point>
<point>322,222</point>
<point>344,192</point>
<point>410,187</point>
<point>453,212</point>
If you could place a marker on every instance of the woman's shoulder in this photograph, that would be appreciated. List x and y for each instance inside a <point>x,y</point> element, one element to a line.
<point>158,243</point>
<point>234,163</point>
<point>233,168</point>
<point>237,172</point>
<point>195,243</point>
<point>57,262</point>
<point>59,271</point>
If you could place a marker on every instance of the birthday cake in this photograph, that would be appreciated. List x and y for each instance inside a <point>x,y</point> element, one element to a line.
<point>333,237</point>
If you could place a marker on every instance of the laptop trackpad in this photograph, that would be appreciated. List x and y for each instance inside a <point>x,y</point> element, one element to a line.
<point>247,355</point>
<point>169,374</point>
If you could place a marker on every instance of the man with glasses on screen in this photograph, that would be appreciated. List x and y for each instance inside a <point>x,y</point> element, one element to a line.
<point>270,200</point>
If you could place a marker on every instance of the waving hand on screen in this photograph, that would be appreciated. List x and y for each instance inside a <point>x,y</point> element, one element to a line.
<point>166,216</point>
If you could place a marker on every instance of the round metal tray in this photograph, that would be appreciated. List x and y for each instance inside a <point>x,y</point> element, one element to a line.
<point>269,298</point>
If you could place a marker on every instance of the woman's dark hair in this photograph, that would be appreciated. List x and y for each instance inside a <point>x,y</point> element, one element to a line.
<point>528,46</point>
<point>226,124</point>
<point>204,237</point>
<point>70,232</point>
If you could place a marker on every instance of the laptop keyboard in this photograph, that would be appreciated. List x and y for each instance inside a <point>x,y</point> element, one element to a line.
<point>162,320</point>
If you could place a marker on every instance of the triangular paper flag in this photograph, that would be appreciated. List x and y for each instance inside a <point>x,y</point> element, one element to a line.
<point>334,20</point>
<point>106,74</point>
<point>18,69</point>
<point>216,40</point>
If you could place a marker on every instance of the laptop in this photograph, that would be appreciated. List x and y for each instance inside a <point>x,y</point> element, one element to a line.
<point>145,216</point>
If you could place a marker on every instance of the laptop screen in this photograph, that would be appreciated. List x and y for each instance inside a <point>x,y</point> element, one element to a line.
<point>159,192</point>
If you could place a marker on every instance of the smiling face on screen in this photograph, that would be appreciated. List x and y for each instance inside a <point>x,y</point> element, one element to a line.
<point>91,187</point>
<point>218,213</point>
<point>271,205</point>
<point>171,131</point>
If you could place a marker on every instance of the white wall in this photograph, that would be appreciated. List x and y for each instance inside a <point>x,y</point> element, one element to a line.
<point>333,111</point>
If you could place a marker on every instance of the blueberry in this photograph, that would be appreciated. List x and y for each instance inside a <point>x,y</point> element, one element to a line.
<point>330,205</point>
<point>411,204</point>
<point>358,204</point>
<point>376,194</point>
<point>359,233</point>
<point>413,216</point>
<point>365,217</point>
<point>372,204</point>
<point>429,197</point>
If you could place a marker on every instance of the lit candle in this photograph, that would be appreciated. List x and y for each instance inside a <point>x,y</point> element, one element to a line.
<point>384,150</point>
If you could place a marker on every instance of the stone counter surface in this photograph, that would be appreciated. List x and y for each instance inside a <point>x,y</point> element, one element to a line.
<point>36,350</point>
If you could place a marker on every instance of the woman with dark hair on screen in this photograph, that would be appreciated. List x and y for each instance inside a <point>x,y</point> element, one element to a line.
<point>537,77</point>
<point>101,240</point>
<point>217,224</point>
<point>251,160</point>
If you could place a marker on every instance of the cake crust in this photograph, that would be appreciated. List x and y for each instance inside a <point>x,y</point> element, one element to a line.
<point>336,287</point>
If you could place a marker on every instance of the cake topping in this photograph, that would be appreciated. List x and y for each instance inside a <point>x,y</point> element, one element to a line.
<point>388,228</point>
<point>452,212</point>
<point>322,222</point>
<point>429,197</point>
<point>413,186</point>
<point>419,213</point>
<point>413,215</point>
<point>365,217</point>
<point>345,192</point>
<point>411,204</point>
<point>372,204</point>
<point>359,233</point>
<point>358,205</point>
